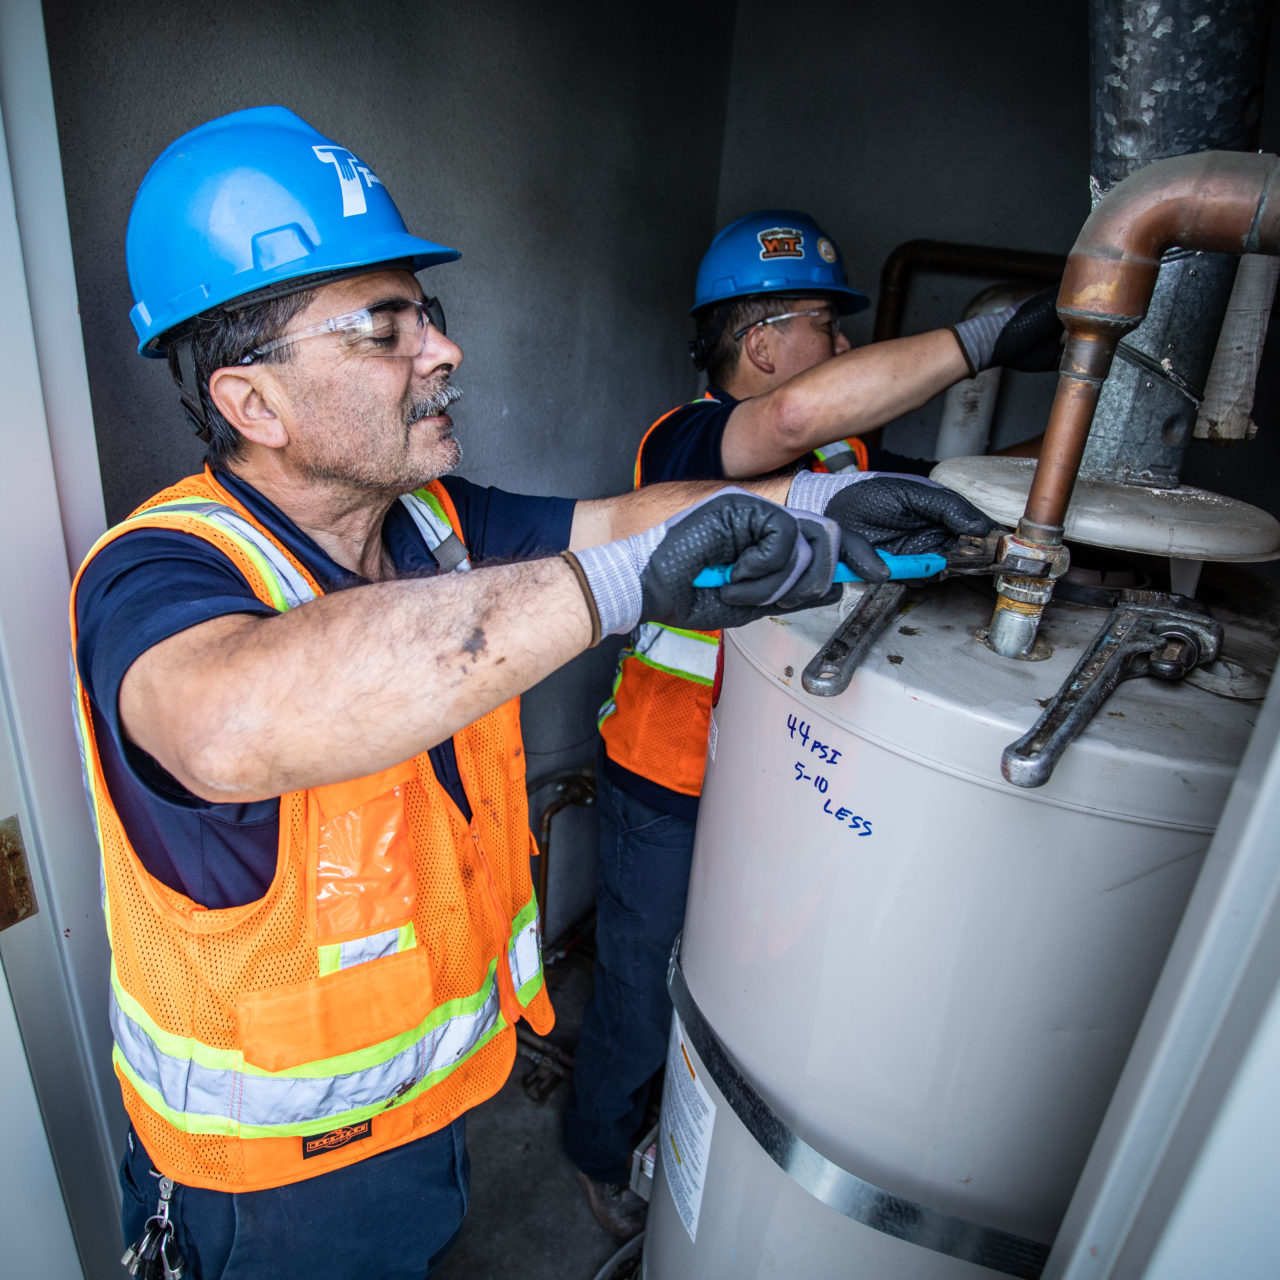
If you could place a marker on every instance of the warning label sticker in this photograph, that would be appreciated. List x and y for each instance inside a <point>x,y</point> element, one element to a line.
<point>688,1115</point>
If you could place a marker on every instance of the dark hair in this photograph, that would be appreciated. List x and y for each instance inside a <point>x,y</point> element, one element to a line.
<point>220,338</point>
<point>717,324</point>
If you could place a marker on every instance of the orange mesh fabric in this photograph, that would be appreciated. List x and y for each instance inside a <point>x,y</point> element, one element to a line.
<point>195,971</point>
<point>660,727</point>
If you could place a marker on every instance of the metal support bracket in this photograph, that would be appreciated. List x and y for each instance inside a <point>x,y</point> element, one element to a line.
<point>835,1186</point>
<point>1147,633</point>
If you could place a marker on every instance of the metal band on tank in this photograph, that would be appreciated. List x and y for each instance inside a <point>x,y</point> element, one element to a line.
<point>836,1187</point>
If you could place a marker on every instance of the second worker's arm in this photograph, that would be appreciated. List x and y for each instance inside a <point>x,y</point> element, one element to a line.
<point>860,390</point>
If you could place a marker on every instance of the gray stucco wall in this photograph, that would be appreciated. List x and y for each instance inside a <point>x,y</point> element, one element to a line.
<point>556,146</point>
<point>923,120</point>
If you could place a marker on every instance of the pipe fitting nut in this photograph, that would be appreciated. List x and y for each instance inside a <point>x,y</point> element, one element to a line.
<point>1029,593</point>
<point>1030,558</point>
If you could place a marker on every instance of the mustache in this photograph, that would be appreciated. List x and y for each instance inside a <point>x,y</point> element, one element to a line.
<point>434,402</point>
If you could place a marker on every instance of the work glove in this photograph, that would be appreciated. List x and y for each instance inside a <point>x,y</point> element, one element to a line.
<point>1027,336</point>
<point>779,561</point>
<point>904,515</point>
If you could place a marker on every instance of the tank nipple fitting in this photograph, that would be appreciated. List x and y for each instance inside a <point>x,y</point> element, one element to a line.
<point>1032,560</point>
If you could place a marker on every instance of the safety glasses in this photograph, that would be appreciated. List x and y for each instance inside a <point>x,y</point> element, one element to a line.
<point>832,324</point>
<point>394,330</point>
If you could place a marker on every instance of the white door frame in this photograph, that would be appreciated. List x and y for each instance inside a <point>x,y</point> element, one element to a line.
<point>56,961</point>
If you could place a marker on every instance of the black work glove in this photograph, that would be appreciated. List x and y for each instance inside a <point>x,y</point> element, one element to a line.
<point>778,560</point>
<point>1026,337</point>
<point>903,515</point>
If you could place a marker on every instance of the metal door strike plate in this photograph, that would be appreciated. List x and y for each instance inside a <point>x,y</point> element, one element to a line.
<point>17,898</point>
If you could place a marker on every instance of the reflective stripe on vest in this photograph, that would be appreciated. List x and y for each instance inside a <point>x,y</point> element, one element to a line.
<point>839,455</point>
<point>690,655</point>
<point>200,1089</point>
<point>287,586</point>
<point>343,955</point>
<point>433,524</point>
<point>524,952</point>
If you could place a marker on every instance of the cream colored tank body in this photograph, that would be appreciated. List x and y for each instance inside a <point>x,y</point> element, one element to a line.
<point>932,976</point>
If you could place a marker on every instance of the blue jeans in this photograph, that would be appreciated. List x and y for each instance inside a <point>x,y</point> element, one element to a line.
<point>643,881</point>
<point>393,1216</point>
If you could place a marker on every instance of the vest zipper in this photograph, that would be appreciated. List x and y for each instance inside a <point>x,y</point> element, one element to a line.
<point>511,1007</point>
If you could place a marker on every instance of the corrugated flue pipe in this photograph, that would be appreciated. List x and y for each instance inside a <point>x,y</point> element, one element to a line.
<point>1215,201</point>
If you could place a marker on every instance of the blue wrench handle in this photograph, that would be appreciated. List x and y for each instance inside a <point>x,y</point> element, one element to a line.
<point>922,566</point>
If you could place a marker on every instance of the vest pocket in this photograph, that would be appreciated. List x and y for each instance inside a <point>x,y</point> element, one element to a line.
<point>364,856</point>
<point>341,1012</point>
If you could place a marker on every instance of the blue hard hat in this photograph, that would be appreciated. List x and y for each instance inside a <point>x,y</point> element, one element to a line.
<point>247,203</point>
<point>775,251</point>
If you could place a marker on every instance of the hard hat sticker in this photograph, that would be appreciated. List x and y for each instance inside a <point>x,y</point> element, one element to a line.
<point>353,177</point>
<point>826,250</point>
<point>780,242</point>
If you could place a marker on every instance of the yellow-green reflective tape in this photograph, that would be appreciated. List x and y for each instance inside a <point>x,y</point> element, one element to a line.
<point>214,1059</point>
<point>209,1124</point>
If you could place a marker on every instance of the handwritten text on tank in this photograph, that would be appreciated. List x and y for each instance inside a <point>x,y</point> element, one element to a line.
<point>816,752</point>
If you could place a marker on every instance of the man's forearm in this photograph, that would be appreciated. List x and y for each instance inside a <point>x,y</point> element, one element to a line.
<point>606,519</point>
<point>847,396</point>
<point>244,708</point>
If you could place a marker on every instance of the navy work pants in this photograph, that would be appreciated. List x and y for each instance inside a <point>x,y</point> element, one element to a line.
<point>393,1216</point>
<point>640,895</point>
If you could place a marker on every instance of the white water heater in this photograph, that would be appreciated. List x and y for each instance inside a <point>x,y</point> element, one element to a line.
<point>908,986</point>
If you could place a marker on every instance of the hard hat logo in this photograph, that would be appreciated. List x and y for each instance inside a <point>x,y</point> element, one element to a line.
<point>781,251</point>
<point>353,177</point>
<point>780,242</point>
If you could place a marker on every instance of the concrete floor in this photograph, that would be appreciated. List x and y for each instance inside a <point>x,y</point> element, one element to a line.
<point>527,1215</point>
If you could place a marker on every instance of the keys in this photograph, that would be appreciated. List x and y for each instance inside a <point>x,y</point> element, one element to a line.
<point>174,1264</point>
<point>132,1259</point>
<point>155,1255</point>
<point>149,1257</point>
<point>141,1258</point>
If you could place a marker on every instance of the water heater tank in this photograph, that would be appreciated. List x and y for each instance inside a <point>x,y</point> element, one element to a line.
<point>930,977</point>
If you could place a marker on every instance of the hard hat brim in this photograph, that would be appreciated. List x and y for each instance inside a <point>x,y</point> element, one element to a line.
<point>379,254</point>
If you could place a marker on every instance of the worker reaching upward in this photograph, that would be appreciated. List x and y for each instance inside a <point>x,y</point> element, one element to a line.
<point>785,389</point>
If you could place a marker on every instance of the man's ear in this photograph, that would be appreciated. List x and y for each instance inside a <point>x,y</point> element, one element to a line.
<point>757,348</point>
<point>245,396</point>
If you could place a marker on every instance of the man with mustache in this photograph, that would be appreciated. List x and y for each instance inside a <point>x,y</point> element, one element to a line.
<point>297,685</point>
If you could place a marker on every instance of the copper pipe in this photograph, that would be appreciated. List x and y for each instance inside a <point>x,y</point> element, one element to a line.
<point>1213,201</point>
<point>949,258</point>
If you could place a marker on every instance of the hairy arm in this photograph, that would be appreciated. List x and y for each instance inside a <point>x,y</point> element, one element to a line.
<point>846,396</point>
<point>600,520</point>
<point>244,708</point>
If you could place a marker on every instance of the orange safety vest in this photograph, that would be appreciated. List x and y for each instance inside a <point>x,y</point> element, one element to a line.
<point>656,721</point>
<point>370,996</point>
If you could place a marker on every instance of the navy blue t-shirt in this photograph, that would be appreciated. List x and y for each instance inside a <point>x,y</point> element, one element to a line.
<point>152,583</point>
<point>686,445</point>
